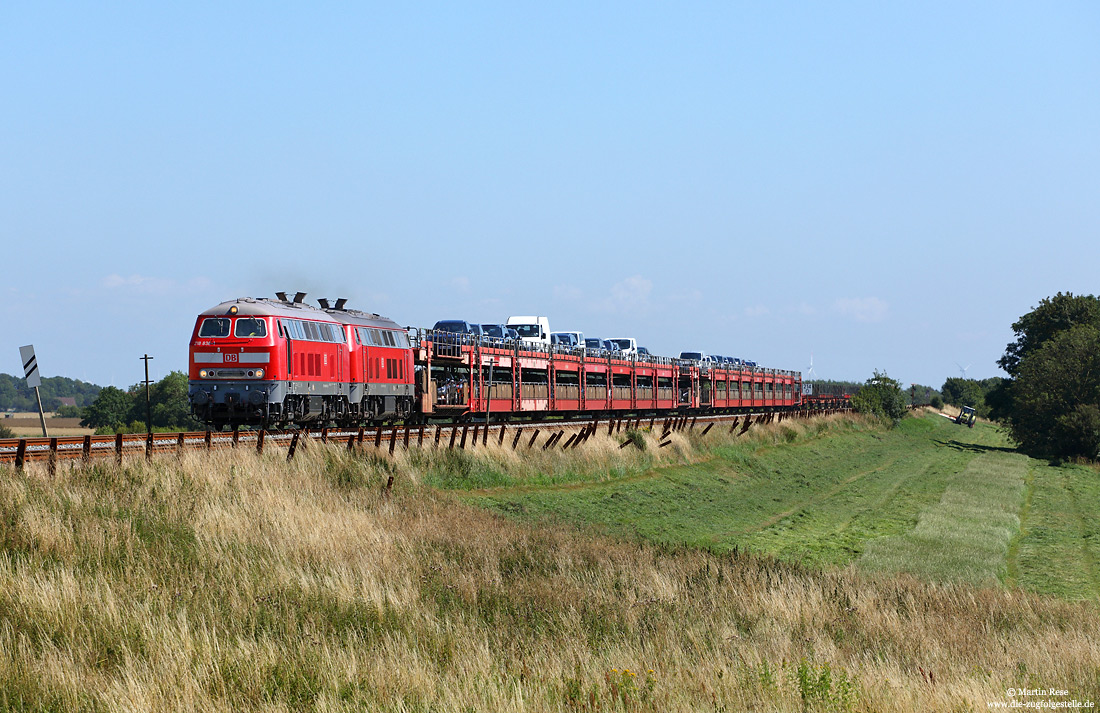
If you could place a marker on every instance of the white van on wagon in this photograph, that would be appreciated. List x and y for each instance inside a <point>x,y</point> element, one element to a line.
<point>535,330</point>
<point>627,345</point>
<point>570,340</point>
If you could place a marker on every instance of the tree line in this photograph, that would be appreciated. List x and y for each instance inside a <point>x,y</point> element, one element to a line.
<point>15,395</point>
<point>1050,402</point>
<point>123,411</point>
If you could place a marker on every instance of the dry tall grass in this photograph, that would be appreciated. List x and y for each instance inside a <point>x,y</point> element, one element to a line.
<point>235,582</point>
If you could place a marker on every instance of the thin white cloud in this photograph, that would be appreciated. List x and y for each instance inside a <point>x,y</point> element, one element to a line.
<point>866,309</point>
<point>757,311</point>
<point>629,295</point>
<point>567,293</point>
<point>689,296</point>
<point>139,283</point>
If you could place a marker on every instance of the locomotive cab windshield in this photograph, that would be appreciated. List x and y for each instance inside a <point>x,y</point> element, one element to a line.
<point>250,327</point>
<point>214,327</point>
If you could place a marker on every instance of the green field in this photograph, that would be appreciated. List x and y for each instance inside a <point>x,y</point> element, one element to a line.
<point>931,498</point>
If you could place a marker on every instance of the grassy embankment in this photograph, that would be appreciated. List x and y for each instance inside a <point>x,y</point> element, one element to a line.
<point>236,582</point>
<point>930,498</point>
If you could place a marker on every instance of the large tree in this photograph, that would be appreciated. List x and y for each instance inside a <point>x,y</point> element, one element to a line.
<point>1051,404</point>
<point>116,409</point>
<point>111,409</point>
<point>962,392</point>
<point>1056,396</point>
<point>1053,315</point>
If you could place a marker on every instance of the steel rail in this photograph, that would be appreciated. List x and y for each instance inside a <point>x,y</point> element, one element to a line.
<point>18,451</point>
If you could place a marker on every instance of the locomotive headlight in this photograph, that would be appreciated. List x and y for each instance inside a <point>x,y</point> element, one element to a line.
<point>203,373</point>
<point>259,373</point>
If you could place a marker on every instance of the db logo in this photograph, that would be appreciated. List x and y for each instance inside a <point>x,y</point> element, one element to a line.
<point>230,358</point>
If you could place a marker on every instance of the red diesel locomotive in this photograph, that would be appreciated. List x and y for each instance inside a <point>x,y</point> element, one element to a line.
<point>272,362</point>
<point>277,362</point>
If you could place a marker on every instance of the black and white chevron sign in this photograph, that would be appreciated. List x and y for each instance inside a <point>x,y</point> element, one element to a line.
<point>30,366</point>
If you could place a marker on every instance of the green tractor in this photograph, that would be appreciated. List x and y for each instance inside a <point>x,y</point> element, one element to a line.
<point>966,416</point>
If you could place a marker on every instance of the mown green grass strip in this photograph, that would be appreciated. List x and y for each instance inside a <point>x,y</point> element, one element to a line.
<point>966,535</point>
<point>1057,549</point>
<point>816,500</point>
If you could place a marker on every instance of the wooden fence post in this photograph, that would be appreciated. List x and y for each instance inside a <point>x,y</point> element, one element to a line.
<point>118,448</point>
<point>86,451</point>
<point>531,443</point>
<point>293,446</point>
<point>515,441</point>
<point>53,457</point>
<point>260,441</point>
<point>149,446</point>
<point>21,454</point>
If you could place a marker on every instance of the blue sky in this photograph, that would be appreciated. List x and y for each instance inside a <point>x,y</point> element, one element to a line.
<point>883,187</point>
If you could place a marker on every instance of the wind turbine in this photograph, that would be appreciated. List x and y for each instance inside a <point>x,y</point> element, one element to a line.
<point>810,373</point>
<point>963,369</point>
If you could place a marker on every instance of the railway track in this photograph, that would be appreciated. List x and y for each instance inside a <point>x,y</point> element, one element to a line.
<point>19,451</point>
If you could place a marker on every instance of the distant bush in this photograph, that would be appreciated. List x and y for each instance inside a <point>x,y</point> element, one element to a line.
<point>937,402</point>
<point>66,411</point>
<point>881,396</point>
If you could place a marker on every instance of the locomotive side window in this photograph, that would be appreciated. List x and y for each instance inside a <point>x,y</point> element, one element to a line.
<point>312,333</point>
<point>250,327</point>
<point>214,327</point>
